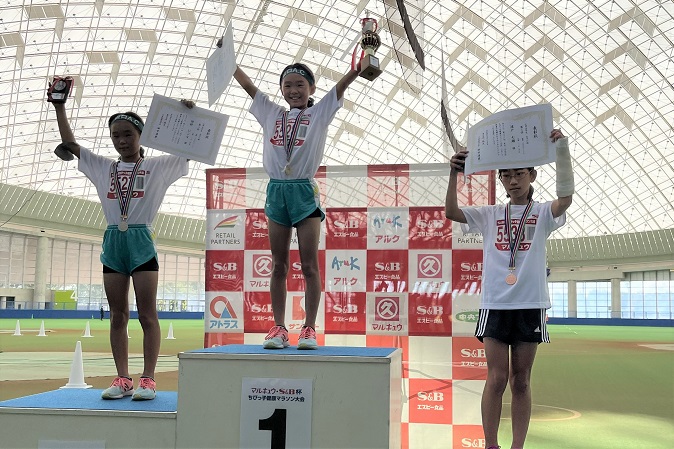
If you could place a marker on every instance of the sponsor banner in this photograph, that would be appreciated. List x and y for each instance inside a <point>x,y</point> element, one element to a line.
<point>387,313</point>
<point>257,230</point>
<point>390,341</point>
<point>430,401</point>
<point>258,316</point>
<point>430,357</point>
<point>430,436</point>
<point>225,229</point>
<point>224,312</point>
<point>224,271</point>
<point>211,339</point>
<point>346,229</point>
<point>388,185</point>
<point>430,314</point>
<point>465,241</point>
<point>295,313</point>
<point>226,189</point>
<point>430,271</point>
<point>345,312</point>
<point>429,229</point>
<point>387,228</point>
<point>468,437</point>
<point>294,245</point>
<point>467,271</point>
<point>387,270</point>
<point>345,271</point>
<point>465,312</point>
<point>468,359</point>
<point>257,271</point>
<point>295,280</point>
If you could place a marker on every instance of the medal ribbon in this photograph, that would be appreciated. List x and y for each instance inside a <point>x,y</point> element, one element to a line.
<point>125,200</point>
<point>289,144</point>
<point>519,233</point>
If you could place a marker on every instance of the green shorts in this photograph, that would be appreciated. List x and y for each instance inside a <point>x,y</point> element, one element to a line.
<point>126,251</point>
<point>291,201</point>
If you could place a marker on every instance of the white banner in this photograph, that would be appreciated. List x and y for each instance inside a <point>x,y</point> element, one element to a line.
<point>275,413</point>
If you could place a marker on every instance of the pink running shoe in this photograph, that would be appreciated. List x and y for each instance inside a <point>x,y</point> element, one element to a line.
<point>147,389</point>
<point>277,338</point>
<point>307,338</point>
<point>119,388</point>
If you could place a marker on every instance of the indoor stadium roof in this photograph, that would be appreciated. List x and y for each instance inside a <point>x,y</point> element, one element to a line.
<point>607,68</point>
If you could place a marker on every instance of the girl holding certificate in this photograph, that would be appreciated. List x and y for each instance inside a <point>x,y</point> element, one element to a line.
<point>293,144</point>
<point>131,190</point>
<point>511,321</point>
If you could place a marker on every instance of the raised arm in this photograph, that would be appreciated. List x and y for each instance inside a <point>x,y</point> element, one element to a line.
<point>452,210</point>
<point>346,81</point>
<point>565,184</point>
<point>245,82</point>
<point>67,136</point>
<point>243,79</point>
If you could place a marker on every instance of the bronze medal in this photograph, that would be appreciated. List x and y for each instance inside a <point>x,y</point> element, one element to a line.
<point>511,278</point>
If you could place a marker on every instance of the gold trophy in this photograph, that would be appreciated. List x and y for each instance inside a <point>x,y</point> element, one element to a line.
<point>370,42</point>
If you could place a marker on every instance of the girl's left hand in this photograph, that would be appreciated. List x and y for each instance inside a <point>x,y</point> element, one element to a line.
<point>189,103</point>
<point>556,134</point>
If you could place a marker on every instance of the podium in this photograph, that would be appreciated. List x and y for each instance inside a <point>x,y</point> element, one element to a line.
<point>79,418</point>
<point>356,394</point>
<point>355,403</point>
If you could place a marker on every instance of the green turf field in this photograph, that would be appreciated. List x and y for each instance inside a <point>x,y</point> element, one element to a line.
<point>593,387</point>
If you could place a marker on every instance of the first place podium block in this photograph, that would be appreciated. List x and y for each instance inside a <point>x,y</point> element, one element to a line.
<point>355,397</point>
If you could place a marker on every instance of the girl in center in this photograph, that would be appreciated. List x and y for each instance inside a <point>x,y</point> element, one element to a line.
<point>293,145</point>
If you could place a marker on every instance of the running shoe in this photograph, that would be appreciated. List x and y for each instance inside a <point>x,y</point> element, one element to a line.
<point>277,338</point>
<point>120,387</point>
<point>307,338</point>
<point>146,389</point>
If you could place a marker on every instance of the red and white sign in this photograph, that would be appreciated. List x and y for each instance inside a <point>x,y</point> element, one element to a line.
<point>429,229</point>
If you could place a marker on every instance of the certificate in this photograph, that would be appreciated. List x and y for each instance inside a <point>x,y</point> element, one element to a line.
<point>220,67</point>
<point>172,127</point>
<point>516,138</point>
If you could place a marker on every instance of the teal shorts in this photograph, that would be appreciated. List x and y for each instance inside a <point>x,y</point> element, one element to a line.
<point>291,201</point>
<point>126,251</point>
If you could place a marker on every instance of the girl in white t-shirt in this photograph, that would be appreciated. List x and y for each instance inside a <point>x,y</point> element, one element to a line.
<point>511,321</point>
<point>131,190</point>
<point>293,145</point>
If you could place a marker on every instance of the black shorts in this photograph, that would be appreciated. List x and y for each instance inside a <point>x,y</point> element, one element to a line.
<point>511,326</point>
<point>150,265</point>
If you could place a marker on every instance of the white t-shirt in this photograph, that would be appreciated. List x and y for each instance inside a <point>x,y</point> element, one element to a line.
<point>310,142</point>
<point>531,289</point>
<point>153,179</point>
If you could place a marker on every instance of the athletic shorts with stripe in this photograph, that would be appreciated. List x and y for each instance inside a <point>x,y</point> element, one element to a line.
<point>511,326</point>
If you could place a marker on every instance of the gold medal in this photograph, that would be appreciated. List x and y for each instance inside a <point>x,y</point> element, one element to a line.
<point>287,170</point>
<point>123,226</point>
<point>511,278</point>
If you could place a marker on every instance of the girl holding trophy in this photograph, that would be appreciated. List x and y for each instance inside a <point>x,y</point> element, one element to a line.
<point>131,190</point>
<point>511,321</point>
<point>293,145</point>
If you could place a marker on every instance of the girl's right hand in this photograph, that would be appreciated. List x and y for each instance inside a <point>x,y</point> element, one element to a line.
<point>458,161</point>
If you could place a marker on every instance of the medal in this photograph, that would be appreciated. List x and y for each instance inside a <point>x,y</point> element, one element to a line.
<point>289,141</point>
<point>514,243</point>
<point>124,198</point>
<point>511,278</point>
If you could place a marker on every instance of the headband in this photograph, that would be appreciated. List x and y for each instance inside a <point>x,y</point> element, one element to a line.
<point>134,121</point>
<point>296,68</point>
